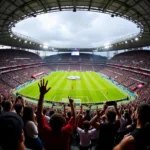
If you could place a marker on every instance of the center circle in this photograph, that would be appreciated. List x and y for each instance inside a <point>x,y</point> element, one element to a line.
<point>73,77</point>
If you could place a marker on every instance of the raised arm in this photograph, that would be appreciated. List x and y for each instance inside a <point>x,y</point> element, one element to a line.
<point>81,109</point>
<point>43,90</point>
<point>118,115</point>
<point>64,110</point>
<point>71,101</point>
<point>93,121</point>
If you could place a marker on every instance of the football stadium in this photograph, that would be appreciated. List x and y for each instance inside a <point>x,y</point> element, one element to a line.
<point>74,75</point>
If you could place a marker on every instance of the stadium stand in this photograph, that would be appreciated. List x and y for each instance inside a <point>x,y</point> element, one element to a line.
<point>107,125</point>
<point>139,59</point>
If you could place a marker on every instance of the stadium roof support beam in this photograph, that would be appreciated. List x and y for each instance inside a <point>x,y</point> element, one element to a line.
<point>59,5</point>
<point>42,5</point>
<point>90,5</point>
<point>19,8</point>
<point>129,8</point>
<point>108,2</point>
<point>29,6</point>
<point>74,5</point>
<point>121,6</point>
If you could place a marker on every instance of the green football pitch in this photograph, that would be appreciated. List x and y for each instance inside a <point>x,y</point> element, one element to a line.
<point>90,88</point>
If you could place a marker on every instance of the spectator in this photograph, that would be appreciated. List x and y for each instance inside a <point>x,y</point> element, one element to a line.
<point>46,117</point>
<point>56,136</point>
<point>107,130</point>
<point>19,109</point>
<point>139,139</point>
<point>85,136</point>
<point>87,115</point>
<point>31,132</point>
<point>7,106</point>
<point>11,132</point>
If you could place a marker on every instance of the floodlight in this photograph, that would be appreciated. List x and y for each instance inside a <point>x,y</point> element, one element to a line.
<point>45,46</point>
<point>112,15</point>
<point>136,39</point>
<point>11,35</point>
<point>107,46</point>
<point>126,42</point>
<point>25,41</point>
<point>74,9</point>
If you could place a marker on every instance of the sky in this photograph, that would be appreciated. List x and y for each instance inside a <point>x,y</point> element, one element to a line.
<point>75,29</point>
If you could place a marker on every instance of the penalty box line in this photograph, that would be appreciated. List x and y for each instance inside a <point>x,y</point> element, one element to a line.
<point>64,97</point>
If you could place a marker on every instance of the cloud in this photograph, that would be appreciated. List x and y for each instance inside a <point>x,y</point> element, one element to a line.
<point>80,29</point>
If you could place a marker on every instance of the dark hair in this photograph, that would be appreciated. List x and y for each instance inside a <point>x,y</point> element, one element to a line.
<point>111,116</point>
<point>57,121</point>
<point>86,125</point>
<point>87,111</point>
<point>69,114</point>
<point>44,111</point>
<point>11,126</point>
<point>143,111</point>
<point>51,113</point>
<point>7,105</point>
<point>18,108</point>
<point>28,114</point>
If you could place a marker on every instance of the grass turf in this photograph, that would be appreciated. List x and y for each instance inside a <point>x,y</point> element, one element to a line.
<point>91,88</point>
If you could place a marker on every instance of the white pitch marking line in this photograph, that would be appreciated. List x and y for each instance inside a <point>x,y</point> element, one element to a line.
<point>87,98</point>
<point>54,97</point>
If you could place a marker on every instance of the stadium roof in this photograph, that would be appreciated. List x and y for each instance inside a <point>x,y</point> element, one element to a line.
<point>13,11</point>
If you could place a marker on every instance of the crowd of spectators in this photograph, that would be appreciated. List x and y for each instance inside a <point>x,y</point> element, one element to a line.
<point>82,58</point>
<point>24,125</point>
<point>17,57</point>
<point>14,70</point>
<point>113,127</point>
<point>139,58</point>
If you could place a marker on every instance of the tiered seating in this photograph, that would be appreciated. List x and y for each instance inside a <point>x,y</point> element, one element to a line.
<point>17,67</point>
<point>74,67</point>
<point>86,67</point>
<point>63,67</point>
<point>83,58</point>
<point>17,57</point>
<point>139,58</point>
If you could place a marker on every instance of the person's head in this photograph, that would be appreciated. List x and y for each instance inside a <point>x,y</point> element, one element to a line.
<point>44,111</point>
<point>7,106</point>
<point>111,116</point>
<point>87,112</point>
<point>11,132</point>
<point>86,125</point>
<point>19,98</point>
<point>57,121</point>
<point>143,113</point>
<point>51,113</point>
<point>18,109</point>
<point>69,114</point>
<point>28,114</point>
<point>103,118</point>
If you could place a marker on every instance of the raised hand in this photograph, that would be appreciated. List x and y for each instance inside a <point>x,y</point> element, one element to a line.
<point>43,87</point>
<point>98,112</point>
<point>70,100</point>
<point>105,107</point>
